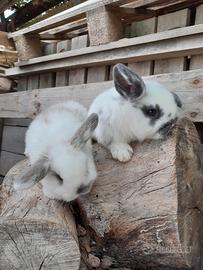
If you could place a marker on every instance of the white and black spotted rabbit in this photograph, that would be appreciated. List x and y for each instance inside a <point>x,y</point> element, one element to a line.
<point>133,110</point>
<point>60,152</point>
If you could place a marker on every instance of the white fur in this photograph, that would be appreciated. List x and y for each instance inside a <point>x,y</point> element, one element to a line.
<point>121,121</point>
<point>49,135</point>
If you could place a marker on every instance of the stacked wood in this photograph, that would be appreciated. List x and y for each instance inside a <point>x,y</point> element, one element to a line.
<point>8,55</point>
<point>146,214</point>
<point>36,233</point>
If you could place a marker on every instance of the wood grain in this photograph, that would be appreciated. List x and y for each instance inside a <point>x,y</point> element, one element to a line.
<point>188,85</point>
<point>167,22</point>
<point>36,233</point>
<point>47,79</point>
<point>78,75</point>
<point>197,60</point>
<point>147,212</point>
<point>142,28</point>
<point>62,76</point>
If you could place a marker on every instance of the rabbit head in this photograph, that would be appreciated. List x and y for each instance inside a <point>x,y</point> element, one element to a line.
<point>68,168</point>
<point>155,109</point>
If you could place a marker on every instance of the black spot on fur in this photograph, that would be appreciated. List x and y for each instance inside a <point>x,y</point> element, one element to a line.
<point>177,100</point>
<point>152,112</point>
<point>82,189</point>
<point>58,177</point>
<point>167,127</point>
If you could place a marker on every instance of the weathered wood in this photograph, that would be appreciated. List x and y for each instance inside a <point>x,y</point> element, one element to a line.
<point>188,85</point>
<point>62,76</point>
<point>74,13</point>
<point>6,42</point>
<point>36,233</point>
<point>167,22</point>
<point>97,74</point>
<point>28,47</point>
<point>5,84</point>
<point>196,61</point>
<point>139,29</point>
<point>13,139</point>
<point>145,213</point>
<point>180,42</point>
<point>8,160</point>
<point>64,29</point>
<point>103,26</point>
<point>21,122</point>
<point>47,79</point>
<point>22,83</point>
<point>77,76</point>
<point>33,82</point>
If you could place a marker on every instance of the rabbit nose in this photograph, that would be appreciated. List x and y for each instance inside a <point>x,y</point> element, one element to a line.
<point>166,128</point>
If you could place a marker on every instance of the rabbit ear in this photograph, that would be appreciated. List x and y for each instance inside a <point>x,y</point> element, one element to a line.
<point>85,132</point>
<point>127,83</point>
<point>32,175</point>
<point>177,100</point>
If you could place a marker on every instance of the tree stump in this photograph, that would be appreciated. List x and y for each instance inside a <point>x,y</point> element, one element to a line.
<point>146,214</point>
<point>35,232</point>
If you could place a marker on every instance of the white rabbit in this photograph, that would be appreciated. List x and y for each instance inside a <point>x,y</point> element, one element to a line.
<point>133,110</point>
<point>60,152</point>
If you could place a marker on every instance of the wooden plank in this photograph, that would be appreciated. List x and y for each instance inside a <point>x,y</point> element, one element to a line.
<point>8,160</point>
<point>64,29</point>
<point>22,83</point>
<point>22,122</point>
<point>167,22</point>
<point>74,13</point>
<point>162,36</point>
<point>62,76</point>
<point>188,85</point>
<point>13,139</point>
<point>47,79</point>
<point>97,74</point>
<point>33,82</point>
<point>77,76</point>
<point>197,60</point>
<point>139,29</point>
<point>137,49</point>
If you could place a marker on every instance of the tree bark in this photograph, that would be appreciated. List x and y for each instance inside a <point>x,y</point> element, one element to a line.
<point>147,214</point>
<point>35,232</point>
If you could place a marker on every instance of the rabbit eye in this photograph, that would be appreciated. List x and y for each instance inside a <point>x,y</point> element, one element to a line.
<point>151,112</point>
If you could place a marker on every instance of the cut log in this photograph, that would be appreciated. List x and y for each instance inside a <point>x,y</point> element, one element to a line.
<point>146,214</point>
<point>35,232</point>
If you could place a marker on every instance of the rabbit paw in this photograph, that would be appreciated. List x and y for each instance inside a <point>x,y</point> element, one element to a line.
<point>122,152</point>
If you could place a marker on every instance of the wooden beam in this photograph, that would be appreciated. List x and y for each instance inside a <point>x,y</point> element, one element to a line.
<point>188,85</point>
<point>76,12</point>
<point>169,44</point>
<point>61,30</point>
<point>104,26</point>
<point>28,47</point>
